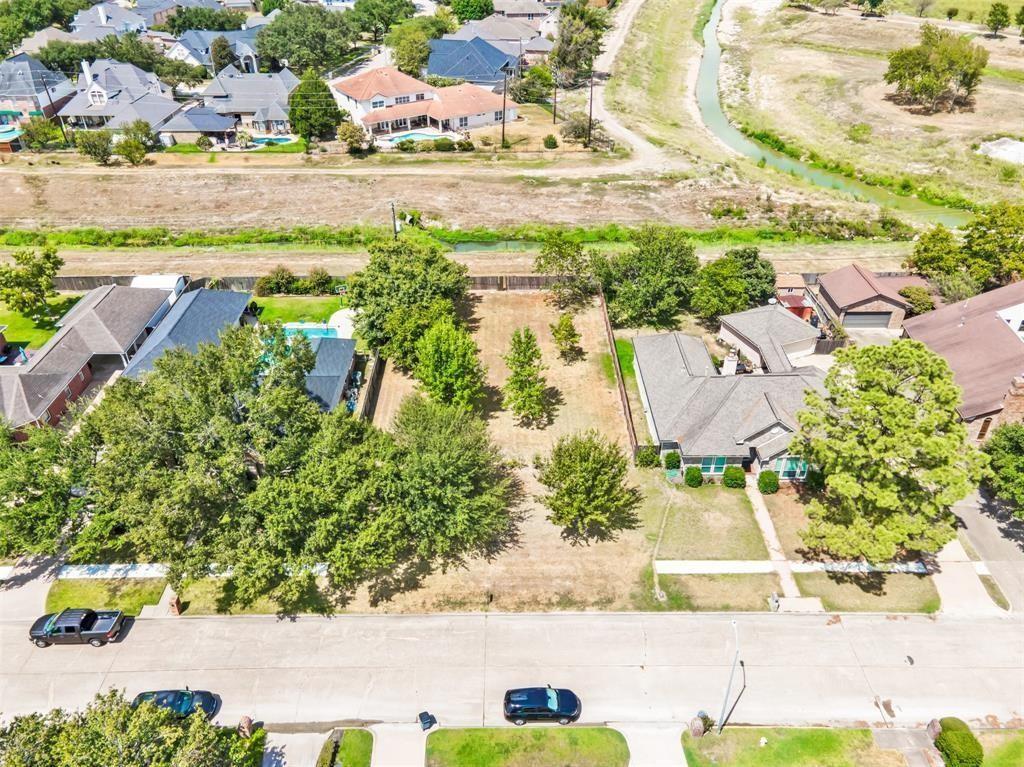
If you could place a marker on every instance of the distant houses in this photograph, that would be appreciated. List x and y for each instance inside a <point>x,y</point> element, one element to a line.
<point>195,46</point>
<point>29,89</point>
<point>112,94</point>
<point>258,102</point>
<point>510,35</point>
<point>105,19</point>
<point>475,61</point>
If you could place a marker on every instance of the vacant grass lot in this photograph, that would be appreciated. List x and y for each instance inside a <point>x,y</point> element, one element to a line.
<point>23,331</point>
<point>535,747</point>
<point>1003,748</point>
<point>740,747</point>
<point>125,594</point>
<point>298,308</point>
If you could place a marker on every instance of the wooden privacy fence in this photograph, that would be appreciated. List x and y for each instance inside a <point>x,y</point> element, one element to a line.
<point>627,411</point>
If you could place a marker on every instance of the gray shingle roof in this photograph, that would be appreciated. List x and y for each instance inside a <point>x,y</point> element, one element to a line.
<point>199,41</point>
<point>110,318</point>
<point>22,76</point>
<point>199,316</point>
<point>104,19</point>
<point>495,27</point>
<point>234,92</point>
<point>201,120</point>
<point>709,414</point>
<point>770,329</point>
<point>325,383</point>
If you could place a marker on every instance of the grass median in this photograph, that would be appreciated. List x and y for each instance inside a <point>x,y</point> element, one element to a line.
<point>506,747</point>
<point>808,747</point>
<point>126,594</point>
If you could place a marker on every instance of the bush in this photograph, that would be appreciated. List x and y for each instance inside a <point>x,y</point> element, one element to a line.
<point>132,151</point>
<point>318,283</point>
<point>550,142</point>
<point>693,477</point>
<point>281,280</point>
<point>204,143</point>
<point>97,145</point>
<point>673,460</point>
<point>465,145</point>
<point>919,299</point>
<point>406,145</point>
<point>444,144</point>
<point>425,146</point>
<point>957,744</point>
<point>734,476</point>
<point>768,482</point>
<point>646,457</point>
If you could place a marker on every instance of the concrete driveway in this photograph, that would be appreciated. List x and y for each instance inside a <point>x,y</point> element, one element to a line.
<point>998,537</point>
<point>628,668</point>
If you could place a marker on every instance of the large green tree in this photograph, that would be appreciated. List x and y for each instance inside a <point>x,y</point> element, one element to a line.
<point>998,18</point>
<point>376,17</point>
<point>650,283</point>
<point>588,496</point>
<point>403,277</point>
<point>580,38</point>
<point>307,37</point>
<point>893,451</point>
<point>222,55</point>
<point>448,365</point>
<point>470,10</point>
<point>186,18</point>
<point>991,251</point>
<point>573,266</point>
<point>1005,449</point>
<point>312,110</point>
<point>64,56</point>
<point>944,67</point>
<point>27,284</point>
<point>720,289</point>
<point>525,389</point>
<point>409,41</point>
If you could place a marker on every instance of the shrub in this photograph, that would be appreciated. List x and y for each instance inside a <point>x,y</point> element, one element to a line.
<point>280,280</point>
<point>693,477</point>
<point>204,143</point>
<point>444,144</point>
<point>734,476</point>
<point>919,299</point>
<point>318,283</point>
<point>646,457</point>
<point>406,145</point>
<point>97,145</point>
<point>426,145</point>
<point>768,482</point>
<point>951,13</point>
<point>465,145</point>
<point>550,142</point>
<point>673,460</point>
<point>957,744</point>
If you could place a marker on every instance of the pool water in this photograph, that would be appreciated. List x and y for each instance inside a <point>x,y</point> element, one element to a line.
<point>414,137</point>
<point>271,141</point>
<point>310,330</point>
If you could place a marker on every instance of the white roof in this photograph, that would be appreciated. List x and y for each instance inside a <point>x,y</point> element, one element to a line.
<point>161,281</point>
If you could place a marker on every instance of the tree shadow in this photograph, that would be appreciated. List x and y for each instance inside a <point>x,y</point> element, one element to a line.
<point>1010,526</point>
<point>573,355</point>
<point>466,311</point>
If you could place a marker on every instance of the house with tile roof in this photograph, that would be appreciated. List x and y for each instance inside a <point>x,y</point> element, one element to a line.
<point>28,89</point>
<point>769,336</point>
<point>858,298</point>
<point>194,47</point>
<point>258,101</point>
<point>112,94</point>
<point>716,420</point>
<point>982,339</point>
<point>387,101</point>
<point>103,20</point>
<point>476,61</point>
<point>106,328</point>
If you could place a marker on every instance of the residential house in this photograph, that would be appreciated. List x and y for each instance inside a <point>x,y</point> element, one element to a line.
<point>197,317</point>
<point>101,333</point>
<point>327,382</point>
<point>475,61</point>
<point>257,21</point>
<point>195,45</point>
<point>174,284</point>
<point>982,339</point>
<point>510,35</point>
<point>159,12</point>
<point>388,101</point>
<point>769,336</point>
<point>112,94</point>
<point>549,25</point>
<point>191,123</point>
<point>39,40</point>
<point>715,420</point>
<point>791,291</point>
<point>257,101</point>
<point>28,89</point>
<point>856,297</point>
<point>103,20</point>
<point>531,12</point>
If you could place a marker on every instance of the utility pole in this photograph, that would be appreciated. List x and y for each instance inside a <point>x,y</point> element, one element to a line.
<point>728,687</point>
<point>394,220</point>
<point>504,94</point>
<point>590,116</point>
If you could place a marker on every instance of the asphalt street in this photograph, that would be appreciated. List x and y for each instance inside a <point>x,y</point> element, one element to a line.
<point>798,669</point>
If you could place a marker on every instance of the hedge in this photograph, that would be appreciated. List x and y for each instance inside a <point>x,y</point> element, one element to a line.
<point>957,744</point>
<point>693,477</point>
<point>673,460</point>
<point>647,457</point>
<point>734,476</point>
<point>768,482</point>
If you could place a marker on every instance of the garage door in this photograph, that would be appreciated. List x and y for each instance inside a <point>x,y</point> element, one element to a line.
<point>867,319</point>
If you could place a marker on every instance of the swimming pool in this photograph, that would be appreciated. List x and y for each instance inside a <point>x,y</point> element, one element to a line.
<point>415,137</point>
<point>310,330</point>
<point>283,140</point>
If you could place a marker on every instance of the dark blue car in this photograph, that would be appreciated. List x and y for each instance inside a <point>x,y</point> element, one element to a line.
<point>541,704</point>
<point>183,703</point>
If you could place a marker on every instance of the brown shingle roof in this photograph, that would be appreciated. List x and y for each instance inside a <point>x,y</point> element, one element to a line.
<point>854,284</point>
<point>984,353</point>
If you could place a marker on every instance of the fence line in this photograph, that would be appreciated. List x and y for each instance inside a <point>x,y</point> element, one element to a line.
<point>248,282</point>
<point>627,412</point>
<point>371,387</point>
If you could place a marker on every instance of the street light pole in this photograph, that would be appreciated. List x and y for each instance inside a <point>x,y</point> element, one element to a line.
<point>728,688</point>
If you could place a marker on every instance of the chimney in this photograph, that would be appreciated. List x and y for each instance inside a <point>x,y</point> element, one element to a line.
<point>86,72</point>
<point>102,11</point>
<point>730,363</point>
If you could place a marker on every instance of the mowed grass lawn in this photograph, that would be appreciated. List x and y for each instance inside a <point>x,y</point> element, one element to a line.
<point>707,522</point>
<point>531,747</point>
<point>355,749</point>
<point>1003,748</point>
<point>125,594</point>
<point>297,308</point>
<point>731,593</point>
<point>211,596</point>
<point>22,331</point>
<point>740,747</point>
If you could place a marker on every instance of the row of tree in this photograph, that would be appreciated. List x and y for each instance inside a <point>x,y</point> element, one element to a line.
<point>20,18</point>
<point>67,57</point>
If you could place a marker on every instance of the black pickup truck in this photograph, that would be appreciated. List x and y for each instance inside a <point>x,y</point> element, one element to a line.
<point>77,626</point>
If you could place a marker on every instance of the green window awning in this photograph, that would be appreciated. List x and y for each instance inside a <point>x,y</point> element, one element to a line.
<point>10,112</point>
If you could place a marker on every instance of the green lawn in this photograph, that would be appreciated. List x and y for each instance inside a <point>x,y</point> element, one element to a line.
<point>298,308</point>
<point>536,747</point>
<point>740,747</point>
<point>875,592</point>
<point>186,148</point>
<point>294,147</point>
<point>126,594</point>
<point>1003,748</point>
<point>707,522</point>
<point>211,596</point>
<point>22,331</point>
<point>718,593</point>
<point>355,749</point>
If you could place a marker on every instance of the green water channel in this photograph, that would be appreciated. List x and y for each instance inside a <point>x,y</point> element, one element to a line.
<point>716,121</point>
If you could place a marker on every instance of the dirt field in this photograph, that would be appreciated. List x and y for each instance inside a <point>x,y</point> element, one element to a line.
<point>543,572</point>
<point>811,78</point>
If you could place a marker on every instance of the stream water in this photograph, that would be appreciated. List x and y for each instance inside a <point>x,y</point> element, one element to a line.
<point>716,121</point>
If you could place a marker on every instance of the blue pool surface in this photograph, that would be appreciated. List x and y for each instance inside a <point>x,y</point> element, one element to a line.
<point>310,330</point>
<point>414,137</point>
<point>271,141</point>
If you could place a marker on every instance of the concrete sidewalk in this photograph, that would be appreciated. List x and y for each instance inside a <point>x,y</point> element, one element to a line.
<point>960,589</point>
<point>398,745</point>
<point>998,537</point>
<point>772,543</point>
<point>23,593</point>
<point>293,750</point>
<point>653,745</point>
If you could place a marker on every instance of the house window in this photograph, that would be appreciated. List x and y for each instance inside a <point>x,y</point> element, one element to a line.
<point>463,122</point>
<point>46,416</point>
<point>67,391</point>
<point>497,116</point>
<point>402,100</point>
<point>790,468</point>
<point>377,104</point>
<point>712,464</point>
<point>81,375</point>
<point>985,426</point>
<point>421,96</point>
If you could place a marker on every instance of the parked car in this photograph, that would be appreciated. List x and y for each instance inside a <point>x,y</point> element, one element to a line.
<point>181,702</point>
<point>77,626</point>
<point>541,704</point>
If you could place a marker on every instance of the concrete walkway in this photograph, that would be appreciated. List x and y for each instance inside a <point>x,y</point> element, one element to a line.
<point>771,541</point>
<point>998,537</point>
<point>23,592</point>
<point>960,589</point>
<point>293,750</point>
<point>653,745</point>
<point>915,745</point>
<point>398,745</point>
